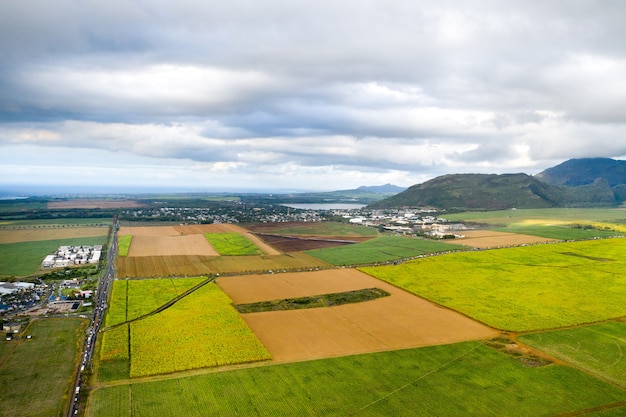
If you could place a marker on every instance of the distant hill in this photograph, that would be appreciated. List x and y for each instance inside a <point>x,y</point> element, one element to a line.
<point>380,189</point>
<point>361,195</point>
<point>498,192</point>
<point>576,172</point>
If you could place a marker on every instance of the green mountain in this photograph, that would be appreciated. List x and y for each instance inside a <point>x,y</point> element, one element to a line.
<point>576,172</point>
<point>498,192</point>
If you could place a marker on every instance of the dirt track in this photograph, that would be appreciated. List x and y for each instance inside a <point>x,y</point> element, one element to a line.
<point>401,320</point>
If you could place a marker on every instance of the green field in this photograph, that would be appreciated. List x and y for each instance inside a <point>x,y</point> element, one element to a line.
<point>523,288</point>
<point>381,249</point>
<point>542,216</point>
<point>559,232</point>
<point>598,349</point>
<point>24,258</point>
<point>232,244</point>
<point>123,244</point>
<point>36,374</point>
<point>466,379</point>
<point>200,330</point>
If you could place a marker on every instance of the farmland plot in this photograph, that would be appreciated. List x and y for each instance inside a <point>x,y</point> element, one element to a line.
<point>398,321</point>
<point>491,239</point>
<point>464,379</point>
<point>525,288</point>
<point>599,349</point>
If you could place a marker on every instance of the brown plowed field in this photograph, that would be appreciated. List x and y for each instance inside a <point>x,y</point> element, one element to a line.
<point>148,231</point>
<point>401,320</point>
<point>489,239</point>
<point>297,244</point>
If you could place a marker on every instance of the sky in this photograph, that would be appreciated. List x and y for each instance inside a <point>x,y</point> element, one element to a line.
<point>304,95</point>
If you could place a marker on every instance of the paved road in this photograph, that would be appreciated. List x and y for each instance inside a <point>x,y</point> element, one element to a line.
<point>101,296</point>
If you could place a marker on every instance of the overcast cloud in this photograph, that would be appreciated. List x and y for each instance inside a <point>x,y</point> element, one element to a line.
<point>320,95</point>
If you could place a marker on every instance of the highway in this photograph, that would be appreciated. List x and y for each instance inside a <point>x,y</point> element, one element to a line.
<point>100,298</point>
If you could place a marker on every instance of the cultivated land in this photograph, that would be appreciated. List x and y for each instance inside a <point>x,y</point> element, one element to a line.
<point>463,379</point>
<point>37,234</point>
<point>87,203</point>
<point>598,349</point>
<point>170,362</point>
<point>484,239</point>
<point>38,384</point>
<point>200,330</point>
<point>381,249</point>
<point>523,288</point>
<point>398,321</point>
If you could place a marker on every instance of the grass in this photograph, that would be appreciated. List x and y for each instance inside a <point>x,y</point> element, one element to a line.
<point>452,380</point>
<point>123,245</point>
<point>323,300</point>
<point>232,244</point>
<point>36,374</point>
<point>380,249</point>
<point>24,258</point>
<point>523,288</point>
<point>598,349</point>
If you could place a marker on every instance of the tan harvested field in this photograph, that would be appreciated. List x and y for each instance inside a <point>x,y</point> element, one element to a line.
<point>189,265</point>
<point>93,203</point>
<point>399,321</point>
<point>29,235</point>
<point>489,239</point>
<point>149,231</point>
<point>171,245</point>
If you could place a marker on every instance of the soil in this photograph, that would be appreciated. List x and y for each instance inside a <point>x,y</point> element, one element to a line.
<point>399,321</point>
<point>30,235</point>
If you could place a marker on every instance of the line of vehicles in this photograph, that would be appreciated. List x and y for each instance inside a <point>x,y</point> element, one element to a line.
<point>102,293</point>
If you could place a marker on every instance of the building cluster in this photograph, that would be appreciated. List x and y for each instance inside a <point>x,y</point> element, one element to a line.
<point>240,213</point>
<point>413,221</point>
<point>16,296</point>
<point>73,255</point>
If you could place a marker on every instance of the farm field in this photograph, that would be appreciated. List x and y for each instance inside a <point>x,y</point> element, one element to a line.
<point>552,216</point>
<point>400,320</point>
<point>190,265</point>
<point>92,203</point>
<point>34,234</point>
<point>200,330</point>
<point>232,244</point>
<point>381,249</point>
<point>38,384</point>
<point>24,258</point>
<point>314,229</point>
<point>464,379</point>
<point>598,349</point>
<point>524,288</point>
<point>484,239</point>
